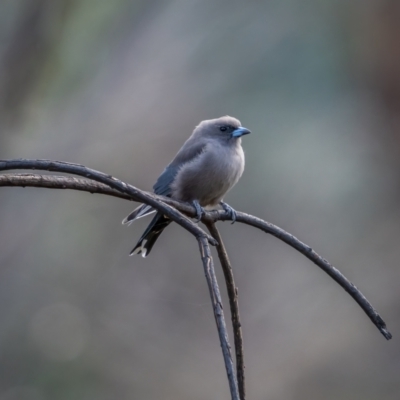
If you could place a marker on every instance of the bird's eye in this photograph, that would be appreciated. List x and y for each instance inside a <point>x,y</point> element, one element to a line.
<point>223,128</point>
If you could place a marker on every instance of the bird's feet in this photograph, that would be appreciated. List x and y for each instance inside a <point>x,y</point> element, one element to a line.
<point>199,210</point>
<point>229,210</point>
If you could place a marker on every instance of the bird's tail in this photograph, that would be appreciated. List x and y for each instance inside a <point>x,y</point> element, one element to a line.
<point>150,235</point>
<point>138,212</point>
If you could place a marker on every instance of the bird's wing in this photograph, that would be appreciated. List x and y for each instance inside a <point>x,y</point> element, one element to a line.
<point>189,151</point>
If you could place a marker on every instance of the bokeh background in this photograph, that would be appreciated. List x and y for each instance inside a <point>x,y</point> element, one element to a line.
<point>118,86</point>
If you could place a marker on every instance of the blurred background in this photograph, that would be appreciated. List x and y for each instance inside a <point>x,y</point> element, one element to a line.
<point>118,86</point>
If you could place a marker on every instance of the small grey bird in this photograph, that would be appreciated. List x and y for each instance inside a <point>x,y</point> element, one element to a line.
<point>209,163</point>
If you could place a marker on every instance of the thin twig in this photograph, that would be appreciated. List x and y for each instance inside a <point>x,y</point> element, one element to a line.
<point>216,300</point>
<point>234,306</point>
<point>267,227</point>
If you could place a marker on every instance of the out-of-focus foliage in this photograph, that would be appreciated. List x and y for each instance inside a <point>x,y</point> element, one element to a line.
<point>118,86</point>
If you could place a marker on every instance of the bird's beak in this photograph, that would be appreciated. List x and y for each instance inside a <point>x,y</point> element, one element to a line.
<point>240,132</point>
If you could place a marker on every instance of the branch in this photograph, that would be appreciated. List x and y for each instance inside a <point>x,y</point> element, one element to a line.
<point>60,182</point>
<point>307,251</point>
<point>63,182</point>
<point>216,300</point>
<point>203,239</point>
<point>247,219</point>
<point>234,306</point>
<point>114,183</point>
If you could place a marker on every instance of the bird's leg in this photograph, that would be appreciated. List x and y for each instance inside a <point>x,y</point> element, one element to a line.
<point>228,209</point>
<point>199,210</point>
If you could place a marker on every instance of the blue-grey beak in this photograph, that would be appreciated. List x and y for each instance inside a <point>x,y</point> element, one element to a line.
<point>240,132</point>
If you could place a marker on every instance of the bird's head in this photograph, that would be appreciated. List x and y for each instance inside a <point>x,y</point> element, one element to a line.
<point>225,128</point>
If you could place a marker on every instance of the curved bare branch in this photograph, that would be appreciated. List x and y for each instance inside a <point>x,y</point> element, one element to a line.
<point>61,182</point>
<point>307,251</point>
<point>114,183</point>
<point>247,219</point>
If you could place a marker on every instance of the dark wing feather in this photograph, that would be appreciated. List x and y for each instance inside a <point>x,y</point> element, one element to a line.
<point>189,151</point>
<point>162,186</point>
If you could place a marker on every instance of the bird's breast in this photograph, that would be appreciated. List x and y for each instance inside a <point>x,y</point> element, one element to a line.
<point>210,176</point>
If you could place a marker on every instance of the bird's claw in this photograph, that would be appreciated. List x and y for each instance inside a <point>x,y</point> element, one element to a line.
<point>230,211</point>
<point>199,210</point>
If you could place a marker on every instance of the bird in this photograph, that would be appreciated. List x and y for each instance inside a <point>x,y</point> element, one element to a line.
<point>207,166</point>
